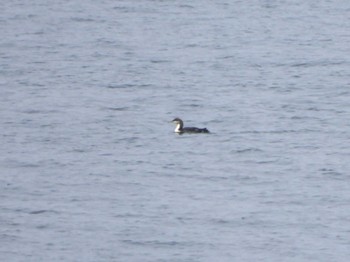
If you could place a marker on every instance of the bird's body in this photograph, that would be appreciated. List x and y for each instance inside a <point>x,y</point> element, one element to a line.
<point>180,129</point>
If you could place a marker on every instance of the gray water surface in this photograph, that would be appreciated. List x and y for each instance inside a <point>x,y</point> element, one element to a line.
<point>91,170</point>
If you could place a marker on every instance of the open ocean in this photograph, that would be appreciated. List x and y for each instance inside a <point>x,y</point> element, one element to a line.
<point>90,166</point>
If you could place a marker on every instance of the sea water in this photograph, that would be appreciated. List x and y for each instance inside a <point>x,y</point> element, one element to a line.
<point>91,170</point>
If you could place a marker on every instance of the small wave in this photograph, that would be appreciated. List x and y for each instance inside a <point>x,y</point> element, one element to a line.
<point>41,211</point>
<point>186,6</point>
<point>156,61</point>
<point>331,173</point>
<point>154,243</point>
<point>247,150</point>
<point>122,86</point>
<point>283,131</point>
<point>117,108</point>
<point>82,19</point>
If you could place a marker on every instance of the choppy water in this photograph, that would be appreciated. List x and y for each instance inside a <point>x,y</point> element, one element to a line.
<point>92,171</point>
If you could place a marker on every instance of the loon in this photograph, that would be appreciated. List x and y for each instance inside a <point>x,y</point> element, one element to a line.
<point>180,129</point>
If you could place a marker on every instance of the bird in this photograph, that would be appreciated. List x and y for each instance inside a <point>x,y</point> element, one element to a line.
<point>180,129</point>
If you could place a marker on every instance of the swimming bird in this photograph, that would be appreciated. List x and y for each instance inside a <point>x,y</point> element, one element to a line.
<point>180,129</point>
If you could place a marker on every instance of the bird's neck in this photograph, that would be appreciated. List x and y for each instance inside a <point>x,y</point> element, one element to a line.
<point>178,127</point>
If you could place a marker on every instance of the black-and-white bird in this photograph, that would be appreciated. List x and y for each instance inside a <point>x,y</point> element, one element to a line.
<point>180,129</point>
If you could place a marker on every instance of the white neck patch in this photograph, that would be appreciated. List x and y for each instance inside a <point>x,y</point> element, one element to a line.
<point>177,128</point>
